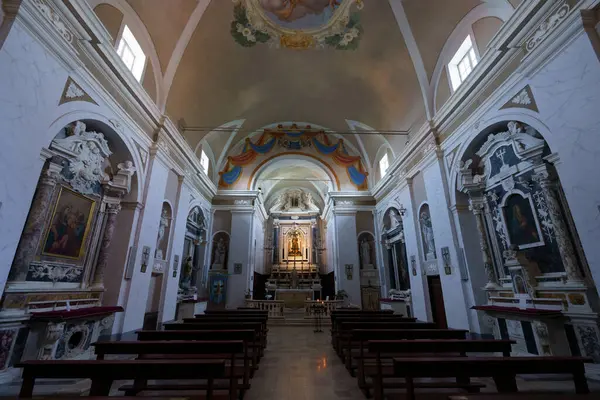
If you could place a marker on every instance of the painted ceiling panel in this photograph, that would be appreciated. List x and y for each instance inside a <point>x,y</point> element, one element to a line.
<point>165,21</point>
<point>218,80</point>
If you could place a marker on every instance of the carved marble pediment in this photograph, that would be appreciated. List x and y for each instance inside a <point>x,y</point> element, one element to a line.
<point>87,153</point>
<point>502,155</point>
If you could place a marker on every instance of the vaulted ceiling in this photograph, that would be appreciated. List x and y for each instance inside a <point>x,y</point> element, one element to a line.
<point>203,78</point>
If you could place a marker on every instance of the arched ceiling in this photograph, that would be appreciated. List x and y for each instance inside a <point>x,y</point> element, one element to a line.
<point>208,79</point>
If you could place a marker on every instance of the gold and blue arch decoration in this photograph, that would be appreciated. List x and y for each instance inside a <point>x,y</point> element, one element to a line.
<point>294,138</point>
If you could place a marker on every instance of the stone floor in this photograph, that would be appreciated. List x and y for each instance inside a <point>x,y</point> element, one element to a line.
<point>299,365</point>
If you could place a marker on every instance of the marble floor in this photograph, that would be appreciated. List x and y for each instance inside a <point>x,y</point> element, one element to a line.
<point>302,365</point>
<point>299,365</point>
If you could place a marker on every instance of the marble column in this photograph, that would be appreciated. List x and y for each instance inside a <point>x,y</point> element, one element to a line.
<point>477,206</point>
<point>111,211</point>
<point>36,221</point>
<point>563,239</point>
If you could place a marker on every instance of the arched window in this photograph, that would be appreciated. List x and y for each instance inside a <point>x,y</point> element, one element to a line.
<point>384,164</point>
<point>463,63</point>
<point>204,161</point>
<point>131,53</point>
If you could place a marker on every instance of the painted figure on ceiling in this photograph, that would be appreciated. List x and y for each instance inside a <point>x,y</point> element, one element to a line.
<point>291,10</point>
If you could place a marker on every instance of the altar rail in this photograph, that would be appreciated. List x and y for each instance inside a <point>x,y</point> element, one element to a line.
<point>274,307</point>
<point>330,305</point>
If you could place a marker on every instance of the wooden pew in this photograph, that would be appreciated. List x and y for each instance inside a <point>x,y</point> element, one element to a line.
<point>184,349</point>
<point>524,396</point>
<point>501,369</point>
<point>343,339</point>
<point>335,322</point>
<point>238,311</point>
<point>248,336</point>
<point>231,318</point>
<point>378,350</point>
<point>227,325</point>
<point>104,372</point>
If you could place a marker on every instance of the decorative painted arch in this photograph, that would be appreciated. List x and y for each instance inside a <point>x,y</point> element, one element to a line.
<point>314,159</point>
<point>292,139</point>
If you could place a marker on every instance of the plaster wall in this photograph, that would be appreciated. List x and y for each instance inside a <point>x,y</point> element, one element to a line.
<point>330,249</point>
<point>418,286</point>
<point>418,188</point>
<point>172,190</point>
<point>221,221</point>
<point>240,248</point>
<point>364,222</point>
<point>258,255</point>
<point>454,299</point>
<point>147,233</point>
<point>347,253</point>
<point>172,283</point>
<point>31,83</point>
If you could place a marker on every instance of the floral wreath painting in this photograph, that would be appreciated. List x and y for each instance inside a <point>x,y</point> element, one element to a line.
<point>298,24</point>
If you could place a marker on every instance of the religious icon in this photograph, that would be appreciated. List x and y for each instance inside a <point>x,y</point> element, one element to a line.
<point>520,221</point>
<point>518,280</point>
<point>218,289</point>
<point>70,225</point>
<point>295,245</point>
<point>297,9</point>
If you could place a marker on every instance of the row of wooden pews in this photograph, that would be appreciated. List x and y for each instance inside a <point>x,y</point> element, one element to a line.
<point>215,354</point>
<point>389,354</point>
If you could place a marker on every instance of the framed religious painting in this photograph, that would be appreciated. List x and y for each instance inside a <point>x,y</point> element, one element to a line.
<point>522,226</point>
<point>69,225</point>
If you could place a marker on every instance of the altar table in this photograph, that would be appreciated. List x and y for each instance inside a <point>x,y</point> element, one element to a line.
<point>294,298</point>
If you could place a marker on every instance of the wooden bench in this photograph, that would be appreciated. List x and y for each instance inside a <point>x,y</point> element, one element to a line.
<point>335,322</point>
<point>231,318</point>
<point>502,369</point>
<point>524,396</point>
<point>249,337</point>
<point>345,328</point>
<point>229,350</point>
<point>104,372</point>
<point>238,311</point>
<point>379,350</point>
<point>225,325</point>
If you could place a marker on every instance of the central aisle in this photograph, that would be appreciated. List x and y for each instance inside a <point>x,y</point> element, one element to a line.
<point>301,365</point>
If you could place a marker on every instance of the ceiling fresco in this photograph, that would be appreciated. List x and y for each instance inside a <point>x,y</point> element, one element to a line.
<point>298,24</point>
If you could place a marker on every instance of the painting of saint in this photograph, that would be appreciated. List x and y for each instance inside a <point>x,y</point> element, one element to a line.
<point>520,222</point>
<point>218,289</point>
<point>69,226</point>
<point>311,12</point>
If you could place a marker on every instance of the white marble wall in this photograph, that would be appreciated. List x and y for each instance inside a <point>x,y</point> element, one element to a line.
<point>148,227</point>
<point>347,253</point>
<point>31,82</point>
<point>169,306</point>
<point>240,249</point>
<point>567,91</point>
<point>454,298</point>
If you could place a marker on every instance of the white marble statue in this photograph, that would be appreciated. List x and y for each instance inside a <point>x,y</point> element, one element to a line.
<point>395,220</point>
<point>162,227</point>
<point>220,252</point>
<point>427,231</point>
<point>365,252</point>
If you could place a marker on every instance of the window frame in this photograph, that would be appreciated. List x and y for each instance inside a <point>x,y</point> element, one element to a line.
<point>462,54</point>
<point>131,45</point>
<point>204,156</point>
<point>385,158</point>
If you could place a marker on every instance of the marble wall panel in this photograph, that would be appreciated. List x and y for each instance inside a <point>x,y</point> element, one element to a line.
<point>31,83</point>
<point>567,91</point>
<point>239,252</point>
<point>347,253</point>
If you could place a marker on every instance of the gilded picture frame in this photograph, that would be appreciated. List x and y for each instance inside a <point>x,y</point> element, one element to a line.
<point>69,226</point>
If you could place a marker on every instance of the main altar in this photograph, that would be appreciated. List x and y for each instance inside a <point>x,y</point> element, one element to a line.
<point>294,275</point>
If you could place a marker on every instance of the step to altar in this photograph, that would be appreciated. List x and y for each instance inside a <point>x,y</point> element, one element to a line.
<point>296,317</point>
